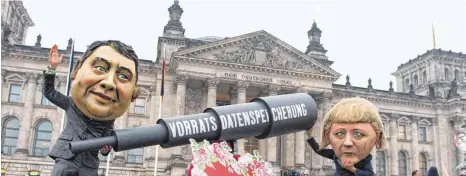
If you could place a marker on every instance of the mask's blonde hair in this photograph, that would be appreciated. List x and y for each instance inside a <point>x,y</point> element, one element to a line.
<point>353,110</point>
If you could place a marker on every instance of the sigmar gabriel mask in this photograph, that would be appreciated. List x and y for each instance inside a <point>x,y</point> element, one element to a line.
<point>104,84</point>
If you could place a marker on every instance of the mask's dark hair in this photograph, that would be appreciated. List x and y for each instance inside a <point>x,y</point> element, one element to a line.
<point>120,47</point>
<point>414,173</point>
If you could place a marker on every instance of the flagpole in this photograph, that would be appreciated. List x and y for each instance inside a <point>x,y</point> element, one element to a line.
<point>68,84</point>
<point>433,35</point>
<point>156,159</point>
<point>108,163</point>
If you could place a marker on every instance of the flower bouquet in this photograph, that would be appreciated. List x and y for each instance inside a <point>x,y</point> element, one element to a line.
<point>217,159</point>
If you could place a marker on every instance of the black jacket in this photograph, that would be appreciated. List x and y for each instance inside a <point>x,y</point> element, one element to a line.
<point>78,126</point>
<point>363,167</point>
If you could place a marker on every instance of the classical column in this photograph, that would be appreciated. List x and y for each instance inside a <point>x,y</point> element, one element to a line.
<point>445,158</point>
<point>181,81</point>
<point>300,141</point>
<point>393,145</point>
<point>272,142</point>
<point>436,143</point>
<point>457,123</point>
<point>212,92</point>
<point>25,129</point>
<point>414,144</point>
<point>241,88</point>
<point>233,96</point>
<point>121,123</point>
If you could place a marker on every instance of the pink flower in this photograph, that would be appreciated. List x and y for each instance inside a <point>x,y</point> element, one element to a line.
<point>260,172</point>
<point>202,154</point>
<point>219,152</point>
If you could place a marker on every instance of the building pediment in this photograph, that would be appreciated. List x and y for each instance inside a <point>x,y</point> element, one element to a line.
<point>259,49</point>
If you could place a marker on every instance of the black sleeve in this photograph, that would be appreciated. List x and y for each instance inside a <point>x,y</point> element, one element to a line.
<point>327,153</point>
<point>54,96</point>
<point>360,172</point>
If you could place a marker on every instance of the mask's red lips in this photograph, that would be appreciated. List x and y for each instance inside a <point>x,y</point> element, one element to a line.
<point>349,153</point>
<point>103,96</point>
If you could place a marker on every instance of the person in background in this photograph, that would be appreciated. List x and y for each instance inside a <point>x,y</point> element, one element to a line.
<point>433,171</point>
<point>416,173</point>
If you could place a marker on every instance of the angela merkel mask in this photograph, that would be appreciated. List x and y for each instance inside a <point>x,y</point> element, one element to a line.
<point>353,128</point>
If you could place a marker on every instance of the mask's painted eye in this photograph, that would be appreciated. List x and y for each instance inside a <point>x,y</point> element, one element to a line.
<point>122,76</point>
<point>101,69</point>
<point>340,134</point>
<point>357,134</point>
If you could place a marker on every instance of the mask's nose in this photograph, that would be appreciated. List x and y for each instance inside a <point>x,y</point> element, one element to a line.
<point>108,83</point>
<point>348,141</point>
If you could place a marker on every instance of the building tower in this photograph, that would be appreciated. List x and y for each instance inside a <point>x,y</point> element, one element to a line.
<point>174,28</point>
<point>315,49</point>
<point>15,22</point>
<point>437,73</point>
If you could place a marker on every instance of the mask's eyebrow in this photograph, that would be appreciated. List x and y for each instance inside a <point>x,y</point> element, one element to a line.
<point>103,60</point>
<point>127,69</point>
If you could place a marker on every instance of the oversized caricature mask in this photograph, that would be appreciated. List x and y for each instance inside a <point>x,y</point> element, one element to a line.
<point>353,127</point>
<point>104,80</point>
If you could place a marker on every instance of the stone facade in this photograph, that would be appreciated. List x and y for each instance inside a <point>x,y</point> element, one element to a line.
<point>221,71</point>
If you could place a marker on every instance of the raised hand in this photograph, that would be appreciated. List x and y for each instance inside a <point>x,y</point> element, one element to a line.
<point>309,133</point>
<point>348,165</point>
<point>54,59</point>
<point>105,149</point>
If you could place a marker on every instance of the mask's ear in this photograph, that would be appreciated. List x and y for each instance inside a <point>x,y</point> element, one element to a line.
<point>325,139</point>
<point>75,70</point>
<point>379,141</point>
<point>136,94</point>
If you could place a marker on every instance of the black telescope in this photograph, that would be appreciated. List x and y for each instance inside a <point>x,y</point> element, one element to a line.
<point>262,118</point>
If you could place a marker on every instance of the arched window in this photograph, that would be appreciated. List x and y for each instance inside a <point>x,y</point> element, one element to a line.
<point>457,75</point>
<point>424,77</point>
<point>447,74</point>
<point>10,133</point>
<point>416,80</point>
<point>251,144</point>
<point>42,138</point>
<point>406,84</point>
<point>402,164</point>
<point>423,163</point>
<point>381,164</point>
<point>135,156</point>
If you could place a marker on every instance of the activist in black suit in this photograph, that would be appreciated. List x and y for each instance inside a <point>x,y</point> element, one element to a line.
<point>103,86</point>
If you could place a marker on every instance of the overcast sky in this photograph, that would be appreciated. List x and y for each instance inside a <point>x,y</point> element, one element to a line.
<point>364,38</point>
